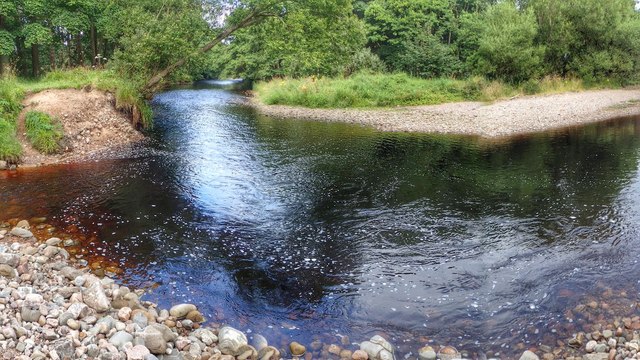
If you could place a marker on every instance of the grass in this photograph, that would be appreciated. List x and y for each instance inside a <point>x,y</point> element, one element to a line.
<point>389,90</point>
<point>10,97</point>
<point>44,132</point>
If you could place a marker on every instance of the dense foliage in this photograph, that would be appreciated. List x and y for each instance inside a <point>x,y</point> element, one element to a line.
<point>510,40</point>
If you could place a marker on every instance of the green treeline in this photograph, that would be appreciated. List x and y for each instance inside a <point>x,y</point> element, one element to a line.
<point>323,53</point>
<point>593,40</point>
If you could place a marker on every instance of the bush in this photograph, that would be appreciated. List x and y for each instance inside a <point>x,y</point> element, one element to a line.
<point>43,132</point>
<point>364,61</point>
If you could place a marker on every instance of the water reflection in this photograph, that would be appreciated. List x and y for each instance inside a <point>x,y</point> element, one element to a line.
<point>302,228</point>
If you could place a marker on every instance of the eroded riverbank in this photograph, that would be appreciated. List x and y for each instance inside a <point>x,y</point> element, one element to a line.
<point>517,116</point>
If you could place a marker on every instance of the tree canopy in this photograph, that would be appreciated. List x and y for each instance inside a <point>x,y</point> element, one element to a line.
<point>155,42</point>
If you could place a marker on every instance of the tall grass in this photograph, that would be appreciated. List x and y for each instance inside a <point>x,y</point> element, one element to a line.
<point>361,91</point>
<point>44,132</point>
<point>10,98</point>
<point>388,90</point>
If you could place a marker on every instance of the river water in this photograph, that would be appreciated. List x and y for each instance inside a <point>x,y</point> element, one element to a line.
<point>301,230</point>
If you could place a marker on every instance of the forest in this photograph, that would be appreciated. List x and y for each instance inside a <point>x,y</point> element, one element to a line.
<point>512,41</point>
<point>317,53</point>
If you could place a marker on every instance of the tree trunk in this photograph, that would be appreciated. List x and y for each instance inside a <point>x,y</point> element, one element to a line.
<point>152,84</point>
<point>35,60</point>
<point>52,57</point>
<point>94,46</point>
<point>5,69</point>
<point>79,54</point>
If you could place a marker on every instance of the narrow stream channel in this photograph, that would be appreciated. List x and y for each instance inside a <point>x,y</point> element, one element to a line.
<point>300,230</point>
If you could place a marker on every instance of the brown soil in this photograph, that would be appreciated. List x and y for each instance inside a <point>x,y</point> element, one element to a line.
<point>93,128</point>
<point>499,119</point>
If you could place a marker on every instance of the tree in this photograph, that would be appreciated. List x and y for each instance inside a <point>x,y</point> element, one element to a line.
<point>300,43</point>
<point>506,47</point>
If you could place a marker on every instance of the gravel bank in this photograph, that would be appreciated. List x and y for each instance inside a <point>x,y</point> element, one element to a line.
<point>503,118</point>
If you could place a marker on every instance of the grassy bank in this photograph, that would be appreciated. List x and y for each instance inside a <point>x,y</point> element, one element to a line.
<point>43,133</point>
<point>389,90</point>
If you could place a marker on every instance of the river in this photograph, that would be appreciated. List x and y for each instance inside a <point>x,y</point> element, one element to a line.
<point>302,230</point>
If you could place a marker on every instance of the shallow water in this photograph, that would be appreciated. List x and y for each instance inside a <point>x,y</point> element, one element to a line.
<point>298,229</point>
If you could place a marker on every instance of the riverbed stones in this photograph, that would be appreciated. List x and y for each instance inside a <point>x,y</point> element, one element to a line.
<point>427,353</point>
<point>378,348</point>
<point>7,271</point>
<point>154,340</point>
<point>297,349</point>
<point>449,353</point>
<point>95,297</point>
<point>230,340</point>
<point>120,338</point>
<point>529,355</point>
<point>181,310</point>
<point>269,353</point>
<point>359,355</point>
<point>20,232</point>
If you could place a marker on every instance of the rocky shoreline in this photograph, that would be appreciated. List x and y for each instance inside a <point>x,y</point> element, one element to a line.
<point>504,118</point>
<point>52,306</point>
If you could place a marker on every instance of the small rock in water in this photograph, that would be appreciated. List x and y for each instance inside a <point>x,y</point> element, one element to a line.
<point>180,311</point>
<point>297,349</point>
<point>231,340</point>
<point>449,353</point>
<point>378,348</point>
<point>591,346</point>
<point>529,355</point>
<point>360,355</point>
<point>427,353</point>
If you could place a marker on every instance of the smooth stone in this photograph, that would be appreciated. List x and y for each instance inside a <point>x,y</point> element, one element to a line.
<point>297,349</point>
<point>427,353</point>
<point>599,356</point>
<point>378,348</point>
<point>181,310</point>
<point>23,224</point>
<point>9,259</point>
<point>449,353</point>
<point>591,346</point>
<point>95,297</point>
<point>20,232</point>
<point>154,340</point>
<point>230,340</point>
<point>529,355</point>
<point>53,241</point>
<point>120,338</point>
<point>269,353</point>
<point>246,352</point>
<point>7,271</point>
<point>258,342</point>
<point>137,352</point>
<point>208,337</point>
<point>601,348</point>
<point>30,315</point>
<point>360,355</point>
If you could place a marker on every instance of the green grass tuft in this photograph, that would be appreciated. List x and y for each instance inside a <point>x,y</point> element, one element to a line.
<point>44,132</point>
<point>10,148</point>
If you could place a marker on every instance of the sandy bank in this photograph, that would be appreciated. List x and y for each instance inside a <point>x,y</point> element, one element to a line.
<point>93,128</point>
<point>502,118</point>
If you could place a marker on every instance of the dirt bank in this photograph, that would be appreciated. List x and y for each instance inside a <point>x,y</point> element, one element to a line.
<point>502,118</point>
<point>93,128</point>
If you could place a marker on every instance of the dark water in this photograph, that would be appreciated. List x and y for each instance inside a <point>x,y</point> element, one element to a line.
<point>299,230</point>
